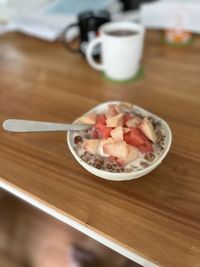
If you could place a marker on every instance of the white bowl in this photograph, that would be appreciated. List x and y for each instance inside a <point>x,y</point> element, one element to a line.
<point>122,176</point>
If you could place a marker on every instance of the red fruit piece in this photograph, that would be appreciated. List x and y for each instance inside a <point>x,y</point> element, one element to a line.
<point>126,130</point>
<point>136,138</point>
<point>127,116</point>
<point>96,134</point>
<point>117,134</point>
<point>101,119</point>
<point>115,121</point>
<point>102,143</point>
<point>132,155</point>
<point>147,128</point>
<point>100,129</point>
<point>118,150</point>
<point>91,145</point>
<point>146,147</point>
<point>111,112</point>
<point>134,122</point>
<point>104,130</point>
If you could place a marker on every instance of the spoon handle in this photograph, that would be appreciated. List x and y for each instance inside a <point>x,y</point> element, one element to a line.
<point>23,126</point>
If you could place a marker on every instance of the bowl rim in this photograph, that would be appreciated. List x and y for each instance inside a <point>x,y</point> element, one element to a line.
<point>137,173</point>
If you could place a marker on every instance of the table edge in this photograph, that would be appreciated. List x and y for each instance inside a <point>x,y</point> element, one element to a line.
<point>14,190</point>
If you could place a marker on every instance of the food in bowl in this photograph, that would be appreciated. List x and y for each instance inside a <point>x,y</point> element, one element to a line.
<point>122,139</point>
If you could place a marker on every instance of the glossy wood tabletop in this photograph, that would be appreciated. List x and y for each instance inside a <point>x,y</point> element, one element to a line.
<point>157,216</point>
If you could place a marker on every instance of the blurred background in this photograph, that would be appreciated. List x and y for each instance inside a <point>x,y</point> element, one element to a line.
<point>48,19</point>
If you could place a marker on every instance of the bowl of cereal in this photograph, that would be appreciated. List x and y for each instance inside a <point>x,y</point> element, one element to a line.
<point>124,141</point>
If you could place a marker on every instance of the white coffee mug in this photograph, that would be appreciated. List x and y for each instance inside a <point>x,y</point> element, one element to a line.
<point>120,53</point>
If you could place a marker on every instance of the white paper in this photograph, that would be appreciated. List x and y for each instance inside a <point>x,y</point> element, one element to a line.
<point>172,14</point>
<point>47,28</point>
<point>44,22</point>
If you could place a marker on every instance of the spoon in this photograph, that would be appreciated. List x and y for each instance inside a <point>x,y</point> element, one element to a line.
<point>23,126</point>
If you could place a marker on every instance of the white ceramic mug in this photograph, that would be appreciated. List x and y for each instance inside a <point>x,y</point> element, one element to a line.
<point>120,55</point>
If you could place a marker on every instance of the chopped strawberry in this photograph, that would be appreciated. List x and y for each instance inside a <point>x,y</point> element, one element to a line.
<point>100,130</point>
<point>96,134</point>
<point>126,130</point>
<point>121,107</point>
<point>127,117</point>
<point>146,147</point>
<point>91,145</point>
<point>102,143</point>
<point>117,134</point>
<point>137,139</point>
<point>104,131</point>
<point>147,128</point>
<point>111,112</point>
<point>118,150</point>
<point>124,106</point>
<point>101,119</point>
<point>88,118</point>
<point>132,154</point>
<point>133,122</point>
<point>117,108</point>
<point>115,121</point>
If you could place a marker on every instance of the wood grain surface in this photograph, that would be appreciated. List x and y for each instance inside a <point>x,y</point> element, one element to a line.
<point>157,216</point>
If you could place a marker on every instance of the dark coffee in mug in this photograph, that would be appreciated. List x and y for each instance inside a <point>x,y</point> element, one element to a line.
<point>122,33</point>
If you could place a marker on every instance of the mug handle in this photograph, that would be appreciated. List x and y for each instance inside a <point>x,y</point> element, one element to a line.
<point>67,44</point>
<point>90,59</point>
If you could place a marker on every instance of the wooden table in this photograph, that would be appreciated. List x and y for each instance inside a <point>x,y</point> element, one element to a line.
<point>152,220</point>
